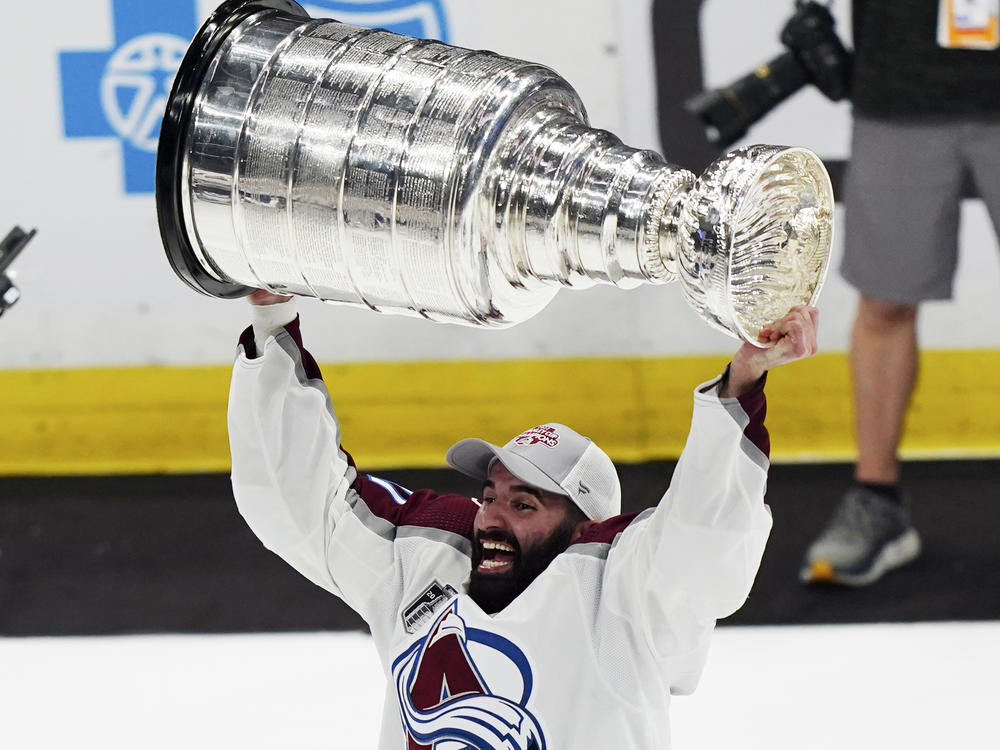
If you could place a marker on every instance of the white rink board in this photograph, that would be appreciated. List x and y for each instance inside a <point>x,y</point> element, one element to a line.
<point>919,687</point>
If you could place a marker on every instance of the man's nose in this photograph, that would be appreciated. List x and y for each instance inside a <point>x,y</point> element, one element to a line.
<point>493,516</point>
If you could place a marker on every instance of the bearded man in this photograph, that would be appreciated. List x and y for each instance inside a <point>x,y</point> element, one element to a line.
<point>538,616</point>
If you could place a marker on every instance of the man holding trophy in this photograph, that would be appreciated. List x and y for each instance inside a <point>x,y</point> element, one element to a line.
<point>314,158</point>
<point>537,616</point>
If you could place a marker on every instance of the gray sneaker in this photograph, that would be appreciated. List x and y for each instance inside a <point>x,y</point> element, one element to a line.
<point>867,536</point>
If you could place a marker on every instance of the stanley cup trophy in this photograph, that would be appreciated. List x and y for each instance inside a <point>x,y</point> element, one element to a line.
<point>311,157</point>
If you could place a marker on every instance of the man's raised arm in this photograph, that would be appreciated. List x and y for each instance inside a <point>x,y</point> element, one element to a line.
<point>691,560</point>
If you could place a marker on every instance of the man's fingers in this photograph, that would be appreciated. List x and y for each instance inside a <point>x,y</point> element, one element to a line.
<point>812,316</point>
<point>794,335</point>
<point>264,297</point>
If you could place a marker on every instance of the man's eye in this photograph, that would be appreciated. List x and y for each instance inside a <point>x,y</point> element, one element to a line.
<point>488,500</point>
<point>525,506</point>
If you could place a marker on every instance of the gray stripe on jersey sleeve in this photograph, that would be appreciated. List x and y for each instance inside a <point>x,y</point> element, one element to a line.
<point>287,343</point>
<point>752,452</point>
<point>459,542</point>
<point>376,524</point>
<point>389,531</point>
<point>599,550</point>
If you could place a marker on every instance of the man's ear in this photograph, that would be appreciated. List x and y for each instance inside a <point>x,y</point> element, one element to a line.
<point>581,528</point>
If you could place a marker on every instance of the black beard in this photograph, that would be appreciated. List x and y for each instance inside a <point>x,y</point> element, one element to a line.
<point>494,591</point>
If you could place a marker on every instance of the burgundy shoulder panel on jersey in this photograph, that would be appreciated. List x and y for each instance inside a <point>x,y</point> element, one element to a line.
<point>606,531</point>
<point>424,508</point>
<point>754,405</point>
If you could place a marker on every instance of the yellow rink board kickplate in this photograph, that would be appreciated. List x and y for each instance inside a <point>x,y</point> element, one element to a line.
<point>173,419</point>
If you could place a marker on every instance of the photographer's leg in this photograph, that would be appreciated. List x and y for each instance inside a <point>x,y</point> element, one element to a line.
<point>884,372</point>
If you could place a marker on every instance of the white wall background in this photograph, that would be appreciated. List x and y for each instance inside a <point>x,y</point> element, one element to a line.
<point>97,289</point>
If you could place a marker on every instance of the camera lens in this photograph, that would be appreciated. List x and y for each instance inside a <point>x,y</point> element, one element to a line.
<point>727,112</point>
<point>815,54</point>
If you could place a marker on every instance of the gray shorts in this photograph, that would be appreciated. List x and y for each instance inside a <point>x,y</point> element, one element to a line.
<point>902,193</point>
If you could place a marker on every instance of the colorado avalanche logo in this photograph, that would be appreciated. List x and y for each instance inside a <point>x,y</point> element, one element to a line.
<point>444,700</point>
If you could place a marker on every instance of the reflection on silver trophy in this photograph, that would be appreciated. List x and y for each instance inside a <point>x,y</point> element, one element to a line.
<point>316,158</point>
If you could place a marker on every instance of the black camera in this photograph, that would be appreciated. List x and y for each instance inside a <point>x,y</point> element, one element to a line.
<point>815,55</point>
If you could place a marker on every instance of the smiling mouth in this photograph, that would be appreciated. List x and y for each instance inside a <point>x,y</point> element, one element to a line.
<point>497,557</point>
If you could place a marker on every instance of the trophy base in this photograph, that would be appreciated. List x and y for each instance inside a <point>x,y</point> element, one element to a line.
<point>188,264</point>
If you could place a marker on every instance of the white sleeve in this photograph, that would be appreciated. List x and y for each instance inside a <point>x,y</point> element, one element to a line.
<point>302,496</point>
<point>290,478</point>
<point>691,560</point>
<point>268,320</point>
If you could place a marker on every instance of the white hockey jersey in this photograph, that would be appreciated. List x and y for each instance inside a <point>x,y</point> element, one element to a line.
<point>587,656</point>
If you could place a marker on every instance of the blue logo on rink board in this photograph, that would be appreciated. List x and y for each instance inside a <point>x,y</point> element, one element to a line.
<point>121,92</point>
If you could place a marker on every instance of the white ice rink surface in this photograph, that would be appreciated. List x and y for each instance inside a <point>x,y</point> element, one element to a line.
<point>913,687</point>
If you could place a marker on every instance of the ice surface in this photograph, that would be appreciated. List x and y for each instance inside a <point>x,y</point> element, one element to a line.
<point>920,687</point>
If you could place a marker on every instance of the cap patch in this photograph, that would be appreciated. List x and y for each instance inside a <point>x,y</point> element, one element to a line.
<point>545,435</point>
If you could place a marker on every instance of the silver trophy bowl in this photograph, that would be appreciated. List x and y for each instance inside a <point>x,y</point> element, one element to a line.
<point>310,157</point>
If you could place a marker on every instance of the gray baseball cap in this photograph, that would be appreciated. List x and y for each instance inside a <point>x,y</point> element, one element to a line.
<point>552,457</point>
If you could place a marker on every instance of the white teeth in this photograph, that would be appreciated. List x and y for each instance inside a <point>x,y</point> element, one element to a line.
<point>492,564</point>
<point>499,546</point>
